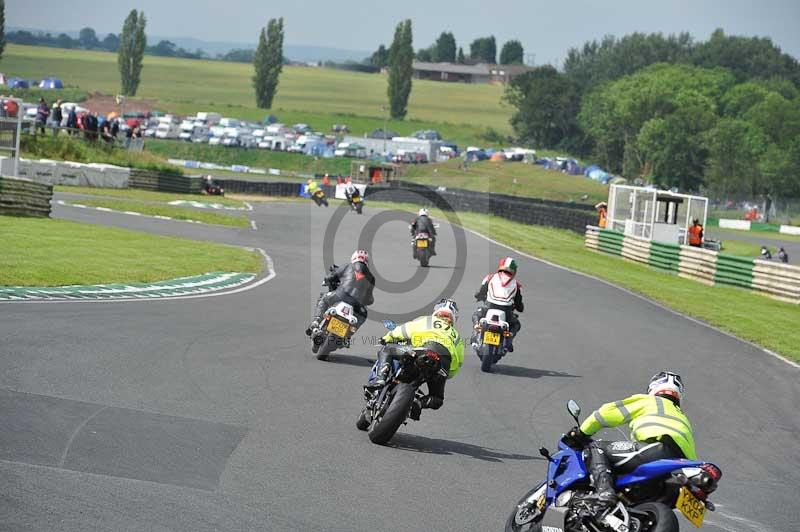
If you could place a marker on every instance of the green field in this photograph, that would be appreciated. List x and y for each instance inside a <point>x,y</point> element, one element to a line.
<point>509,178</point>
<point>44,252</point>
<point>163,209</point>
<point>320,97</point>
<point>738,311</point>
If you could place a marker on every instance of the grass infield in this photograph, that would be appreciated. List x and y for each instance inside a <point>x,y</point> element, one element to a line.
<point>147,195</point>
<point>44,252</point>
<point>174,212</point>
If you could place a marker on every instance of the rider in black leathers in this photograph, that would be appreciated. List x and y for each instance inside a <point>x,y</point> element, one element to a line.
<point>423,224</point>
<point>353,284</point>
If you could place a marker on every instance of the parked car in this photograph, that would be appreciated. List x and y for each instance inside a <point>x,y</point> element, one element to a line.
<point>381,134</point>
<point>340,128</point>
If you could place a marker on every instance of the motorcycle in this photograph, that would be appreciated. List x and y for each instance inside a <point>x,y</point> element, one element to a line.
<point>389,407</point>
<point>211,188</point>
<point>319,197</point>
<point>492,333</point>
<point>339,323</point>
<point>647,495</point>
<point>422,251</point>
<point>357,204</point>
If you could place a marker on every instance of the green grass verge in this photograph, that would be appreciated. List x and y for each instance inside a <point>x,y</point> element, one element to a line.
<point>146,195</point>
<point>740,312</point>
<point>45,252</point>
<point>741,248</point>
<point>294,162</point>
<point>321,97</point>
<point>66,148</point>
<point>727,234</point>
<point>509,178</point>
<point>177,213</point>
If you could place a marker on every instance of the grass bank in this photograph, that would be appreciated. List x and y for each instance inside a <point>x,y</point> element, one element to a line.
<point>177,213</point>
<point>45,252</point>
<point>147,195</point>
<point>740,312</point>
<point>509,178</point>
<point>291,162</point>
<point>66,148</point>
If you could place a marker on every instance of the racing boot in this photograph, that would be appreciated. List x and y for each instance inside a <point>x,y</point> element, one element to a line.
<point>416,410</point>
<point>602,481</point>
<point>414,249</point>
<point>312,328</point>
<point>380,377</point>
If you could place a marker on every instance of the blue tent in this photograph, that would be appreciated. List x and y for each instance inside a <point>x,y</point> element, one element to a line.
<point>17,83</point>
<point>51,83</point>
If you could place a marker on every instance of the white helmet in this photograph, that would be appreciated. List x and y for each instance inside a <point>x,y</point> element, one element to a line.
<point>359,256</point>
<point>446,309</point>
<point>666,383</point>
<point>423,212</point>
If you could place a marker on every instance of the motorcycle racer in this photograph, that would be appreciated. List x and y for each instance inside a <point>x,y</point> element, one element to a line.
<point>503,292</point>
<point>423,224</point>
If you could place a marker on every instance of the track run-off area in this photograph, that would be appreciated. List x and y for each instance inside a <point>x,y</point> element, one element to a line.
<point>212,413</point>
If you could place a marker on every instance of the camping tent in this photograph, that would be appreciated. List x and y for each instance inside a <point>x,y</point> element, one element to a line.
<point>51,83</point>
<point>17,83</point>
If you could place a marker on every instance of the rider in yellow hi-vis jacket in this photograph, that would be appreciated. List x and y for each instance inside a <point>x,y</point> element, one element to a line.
<point>438,333</point>
<point>658,426</point>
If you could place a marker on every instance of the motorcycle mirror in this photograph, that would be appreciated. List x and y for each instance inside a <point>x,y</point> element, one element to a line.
<point>574,410</point>
<point>389,324</point>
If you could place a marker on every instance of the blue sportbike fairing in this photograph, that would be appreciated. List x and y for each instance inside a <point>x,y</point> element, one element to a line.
<point>655,469</point>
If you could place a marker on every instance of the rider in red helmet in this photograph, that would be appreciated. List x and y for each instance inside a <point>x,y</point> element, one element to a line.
<point>501,291</point>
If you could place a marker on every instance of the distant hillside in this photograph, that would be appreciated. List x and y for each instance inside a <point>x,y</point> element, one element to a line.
<point>298,52</point>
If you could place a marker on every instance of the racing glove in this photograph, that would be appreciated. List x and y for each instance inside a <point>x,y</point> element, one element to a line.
<point>576,439</point>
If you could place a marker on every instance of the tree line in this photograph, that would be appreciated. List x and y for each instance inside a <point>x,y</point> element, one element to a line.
<point>88,39</point>
<point>444,50</point>
<point>721,115</point>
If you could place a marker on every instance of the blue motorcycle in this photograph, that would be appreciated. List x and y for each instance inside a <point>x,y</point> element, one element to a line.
<point>647,495</point>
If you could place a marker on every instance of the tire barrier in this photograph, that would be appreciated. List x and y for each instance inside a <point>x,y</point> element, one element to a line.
<point>24,197</point>
<point>68,173</point>
<point>776,280</point>
<point>162,182</point>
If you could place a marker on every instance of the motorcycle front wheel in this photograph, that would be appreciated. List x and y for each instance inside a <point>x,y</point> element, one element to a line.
<point>395,414</point>
<point>526,516</point>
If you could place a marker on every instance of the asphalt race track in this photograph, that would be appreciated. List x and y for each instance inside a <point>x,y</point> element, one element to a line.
<point>212,414</point>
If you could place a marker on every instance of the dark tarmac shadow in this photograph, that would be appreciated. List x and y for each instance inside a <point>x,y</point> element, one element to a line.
<point>436,267</point>
<point>351,360</point>
<point>530,373</point>
<point>421,444</point>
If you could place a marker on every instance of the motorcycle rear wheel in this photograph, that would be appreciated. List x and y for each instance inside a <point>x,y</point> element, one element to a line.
<point>328,345</point>
<point>400,403</point>
<point>423,257</point>
<point>487,358</point>
<point>659,517</point>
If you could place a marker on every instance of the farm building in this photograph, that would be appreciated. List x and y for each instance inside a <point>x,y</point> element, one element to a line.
<point>479,73</point>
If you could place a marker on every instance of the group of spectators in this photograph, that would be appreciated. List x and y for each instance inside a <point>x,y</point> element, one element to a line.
<point>86,123</point>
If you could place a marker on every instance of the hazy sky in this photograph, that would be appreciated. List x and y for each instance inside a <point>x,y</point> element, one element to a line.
<point>545,28</point>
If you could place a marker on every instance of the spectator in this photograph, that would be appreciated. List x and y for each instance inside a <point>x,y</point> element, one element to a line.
<point>11,108</point>
<point>601,213</point>
<point>72,121</point>
<point>696,234</point>
<point>105,132</point>
<point>783,256</point>
<point>42,112</point>
<point>765,254</point>
<point>57,116</point>
<point>115,128</point>
<point>91,124</point>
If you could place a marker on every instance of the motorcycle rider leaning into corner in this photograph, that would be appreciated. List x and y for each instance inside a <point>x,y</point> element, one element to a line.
<point>500,291</point>
<point>354,284</point>
<point>436,332</point>
<point>658,427</point>
<point>351,191</point>
<point>423,224</point>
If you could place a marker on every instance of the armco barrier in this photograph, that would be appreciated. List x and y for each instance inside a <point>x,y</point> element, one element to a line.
<point>24,197</point>
<point>530,211</point>
<point>779,281</point>
<point>161,182</point>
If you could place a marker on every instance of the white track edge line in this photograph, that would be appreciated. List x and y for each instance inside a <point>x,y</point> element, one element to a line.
<point>155,216</point>
<point>267,259</point>
<point>640,296</point>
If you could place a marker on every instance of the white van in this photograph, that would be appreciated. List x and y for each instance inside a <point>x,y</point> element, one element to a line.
<point>167,129</point>
<point>209,119</point>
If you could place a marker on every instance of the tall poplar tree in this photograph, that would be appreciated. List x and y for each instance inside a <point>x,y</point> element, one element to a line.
<point>132,42</point>
<point>401,69</point>
<point>268,62</point>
